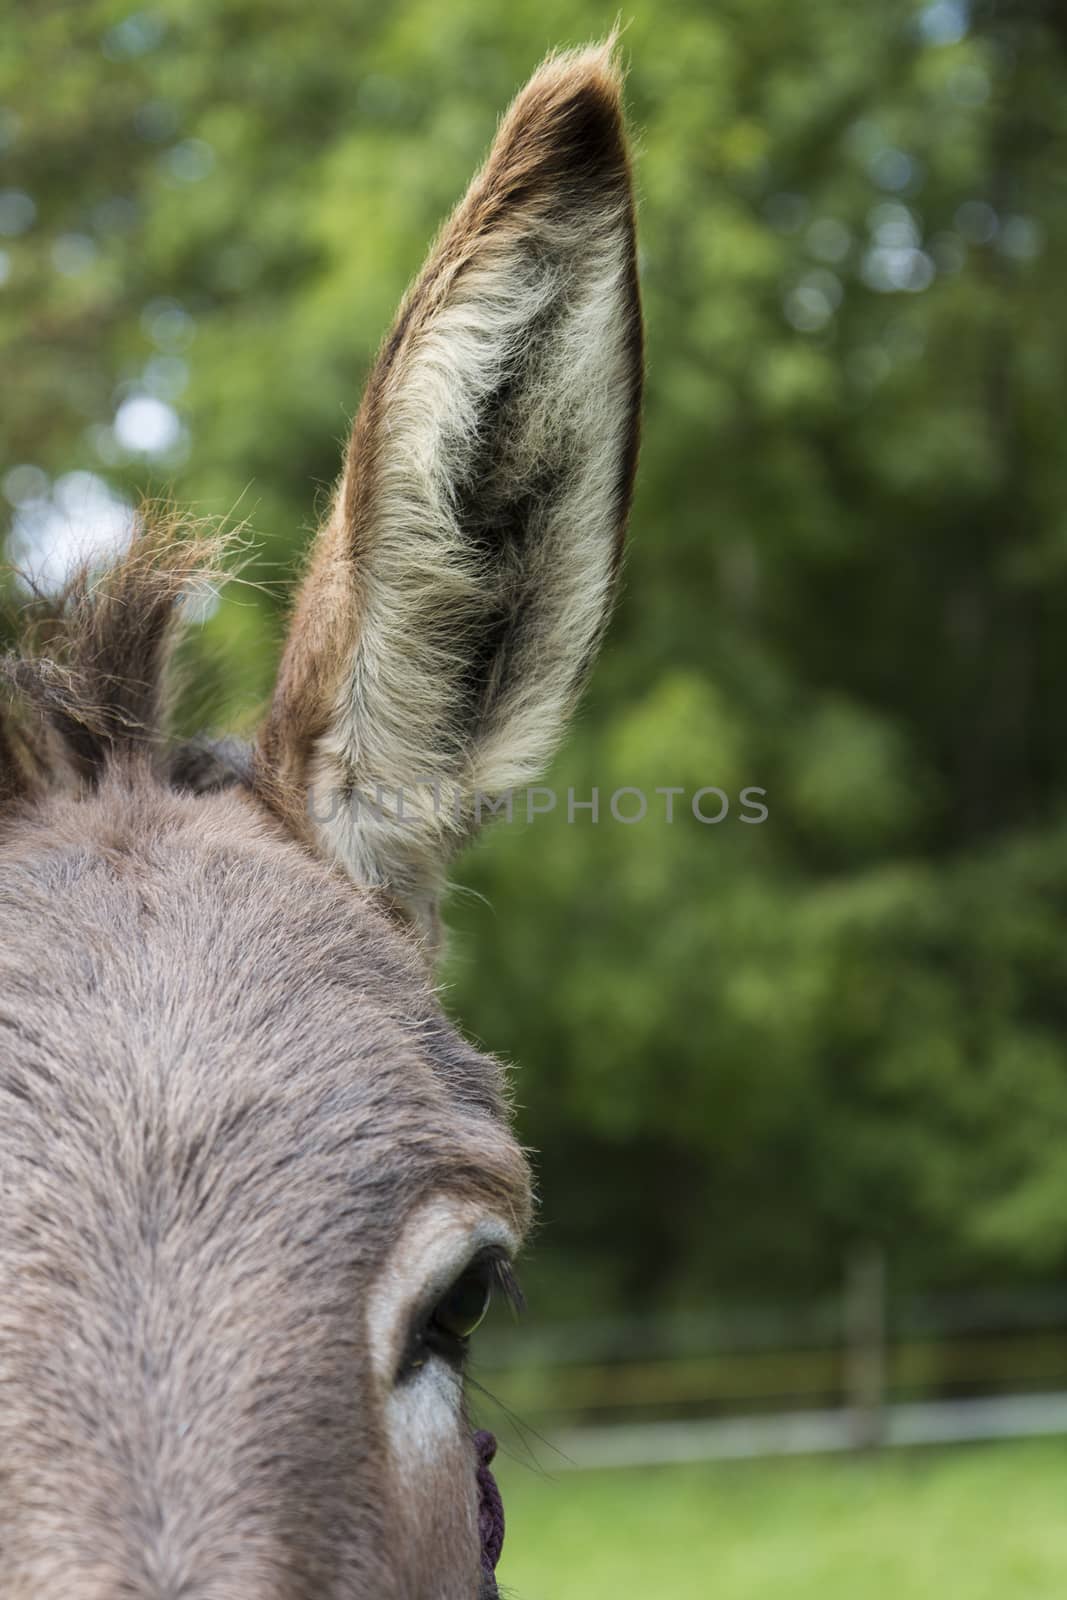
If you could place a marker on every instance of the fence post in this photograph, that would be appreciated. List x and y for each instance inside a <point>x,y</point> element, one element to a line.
<point>865,1346</point>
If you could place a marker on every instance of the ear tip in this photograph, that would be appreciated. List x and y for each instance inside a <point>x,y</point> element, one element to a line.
<point>569,118</point>
<point>589,76</point>
<point>597,64</point>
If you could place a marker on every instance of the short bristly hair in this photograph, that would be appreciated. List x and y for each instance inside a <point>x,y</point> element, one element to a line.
<point>86,686</point>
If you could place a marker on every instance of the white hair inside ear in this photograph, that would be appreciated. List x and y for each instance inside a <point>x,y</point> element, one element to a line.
<point>457,596</point>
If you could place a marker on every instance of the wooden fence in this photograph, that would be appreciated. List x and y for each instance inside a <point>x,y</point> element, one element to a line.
<point>855,1371</point>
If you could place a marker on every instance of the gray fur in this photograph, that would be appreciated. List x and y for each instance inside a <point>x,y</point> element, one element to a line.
<point>205,1148</point>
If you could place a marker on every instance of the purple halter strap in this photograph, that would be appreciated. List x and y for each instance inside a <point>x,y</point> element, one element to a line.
<point>490,1506</point>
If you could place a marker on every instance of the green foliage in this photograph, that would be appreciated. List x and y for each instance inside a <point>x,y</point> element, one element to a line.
<point>743,1048</point>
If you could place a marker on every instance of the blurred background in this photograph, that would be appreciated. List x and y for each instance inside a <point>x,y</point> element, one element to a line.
<point>799,1090</point>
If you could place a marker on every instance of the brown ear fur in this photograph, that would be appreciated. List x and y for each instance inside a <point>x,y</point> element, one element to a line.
<point>561,143</point>
<point>456,596</point>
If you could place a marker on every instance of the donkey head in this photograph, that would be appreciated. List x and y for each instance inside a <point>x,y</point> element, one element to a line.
<point>254,1188</point>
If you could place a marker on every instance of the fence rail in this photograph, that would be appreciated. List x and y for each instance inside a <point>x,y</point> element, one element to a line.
<point>808,1433</point>
<point>857,1371</point>
<point>912,1368</point>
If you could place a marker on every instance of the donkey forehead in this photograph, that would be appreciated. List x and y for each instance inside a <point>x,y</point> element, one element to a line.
<point>188,991</point>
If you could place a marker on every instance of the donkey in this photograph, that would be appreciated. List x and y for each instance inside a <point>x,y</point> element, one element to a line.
<point>255,1190</point>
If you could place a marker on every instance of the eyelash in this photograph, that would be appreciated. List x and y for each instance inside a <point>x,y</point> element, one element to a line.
<point>428,1337</point>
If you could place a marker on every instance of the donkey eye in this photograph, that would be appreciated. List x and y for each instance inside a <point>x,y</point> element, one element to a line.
<point>446,1328</point>
<point>463,1307</point>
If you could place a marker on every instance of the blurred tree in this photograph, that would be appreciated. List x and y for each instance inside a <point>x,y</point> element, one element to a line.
<point>743,1048</point>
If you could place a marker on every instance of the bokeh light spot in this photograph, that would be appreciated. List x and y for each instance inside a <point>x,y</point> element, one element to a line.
<point>18,212</point>
<point>82,518</point>
<point>944,22</point>
<point>73,254</point>
<point>146,425</point>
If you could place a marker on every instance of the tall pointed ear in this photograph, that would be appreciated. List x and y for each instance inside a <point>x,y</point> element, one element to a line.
<point>455,599</point>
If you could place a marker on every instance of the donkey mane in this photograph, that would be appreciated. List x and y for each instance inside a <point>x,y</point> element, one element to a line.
<point>88,681</point>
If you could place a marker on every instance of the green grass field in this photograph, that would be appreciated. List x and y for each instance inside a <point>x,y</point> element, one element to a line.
<point>986,1523</point>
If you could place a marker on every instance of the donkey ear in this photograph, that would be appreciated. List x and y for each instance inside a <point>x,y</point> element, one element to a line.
<point>455,599</point>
